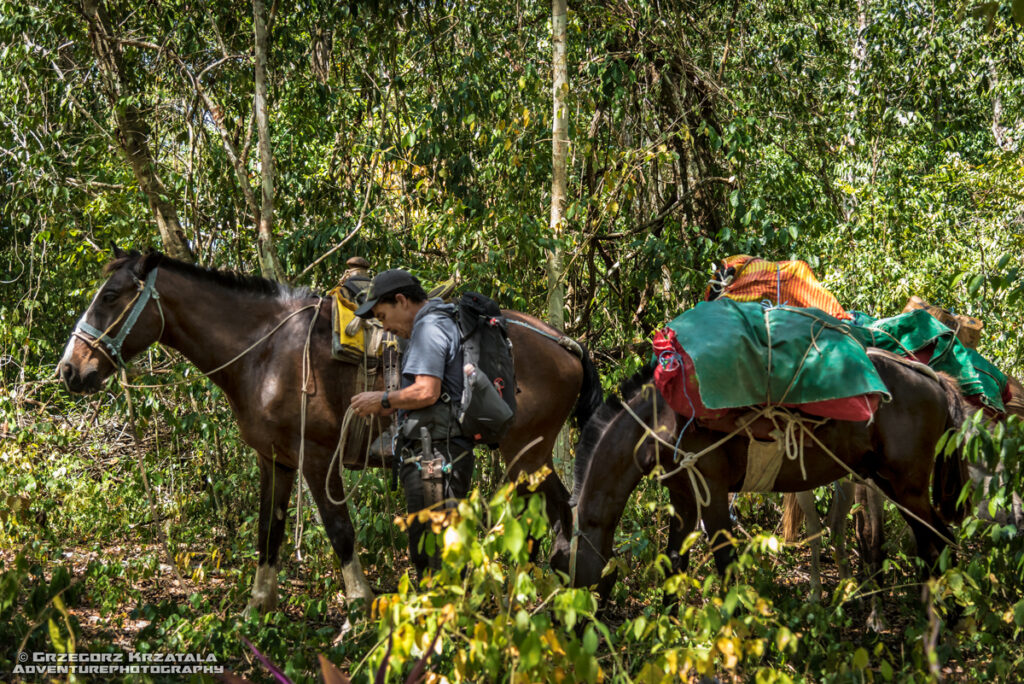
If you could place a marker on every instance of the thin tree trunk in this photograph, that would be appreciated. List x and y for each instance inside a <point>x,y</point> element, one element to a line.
<point>133,133</point>
<point>559,153</point>
<point>559,148</point>
<point>858,59</point>
<point>270,262</point>
<point>998,130</point>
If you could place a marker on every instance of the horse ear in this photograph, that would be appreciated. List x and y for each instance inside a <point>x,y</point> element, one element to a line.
<point>118,252</point>
<point>147,263</point>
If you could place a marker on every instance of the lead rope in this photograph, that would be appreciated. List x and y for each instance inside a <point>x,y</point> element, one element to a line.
<point>346,423</point>
<point>389,362</point>
<point>564,341</point>
<point>306,373</point>
<point>904,509</point>
<point>236,358</point>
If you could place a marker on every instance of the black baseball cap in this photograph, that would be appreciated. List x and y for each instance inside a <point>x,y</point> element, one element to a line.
<point>385,283</point>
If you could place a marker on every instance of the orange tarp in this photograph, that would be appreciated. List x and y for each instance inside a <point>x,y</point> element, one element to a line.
<point>780,282</point>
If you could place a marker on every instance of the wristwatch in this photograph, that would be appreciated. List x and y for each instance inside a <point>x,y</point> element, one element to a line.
<point>384,400</point>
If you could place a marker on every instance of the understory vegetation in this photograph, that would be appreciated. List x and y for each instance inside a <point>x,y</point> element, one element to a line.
<point>87,568</point>
<point>881,141</point>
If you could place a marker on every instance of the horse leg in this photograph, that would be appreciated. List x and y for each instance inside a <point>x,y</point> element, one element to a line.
<point>838,514</point>
<point>813,521</point>
<point>870,532</point>
<point>718,527</point>
<point>556,504</point>
<point>683,521</point>
<point>529,457</point>
<point>275,489</point>
<point>340,532</point>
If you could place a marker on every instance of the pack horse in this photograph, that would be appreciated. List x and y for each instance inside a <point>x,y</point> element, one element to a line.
<point>628,438</point>
<point>263,343</point>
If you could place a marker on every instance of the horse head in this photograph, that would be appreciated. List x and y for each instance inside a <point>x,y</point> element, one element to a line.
<point>123,319</point>
<point>614,452</point>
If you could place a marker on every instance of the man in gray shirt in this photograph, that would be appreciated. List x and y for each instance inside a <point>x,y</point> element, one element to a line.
<point>436,460</point>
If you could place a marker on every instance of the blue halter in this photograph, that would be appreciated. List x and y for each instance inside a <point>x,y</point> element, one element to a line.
<point>146,291</point>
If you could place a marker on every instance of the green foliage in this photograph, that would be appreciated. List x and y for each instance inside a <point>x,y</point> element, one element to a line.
<point>880,141</point>
<point>498,614</point>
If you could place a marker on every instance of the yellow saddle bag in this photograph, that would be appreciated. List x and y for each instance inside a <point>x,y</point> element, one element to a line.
<point>348,338</point>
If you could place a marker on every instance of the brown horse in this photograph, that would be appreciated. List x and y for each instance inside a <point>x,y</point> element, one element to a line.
<point>212,317</point>
<point>870,525</point>
<point>896,450</point>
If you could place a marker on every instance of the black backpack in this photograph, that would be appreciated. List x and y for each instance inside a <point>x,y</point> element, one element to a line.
<point>488,405</point>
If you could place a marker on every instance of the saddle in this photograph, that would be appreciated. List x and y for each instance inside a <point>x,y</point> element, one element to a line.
<point>354,340</point>
<point>362,340</point>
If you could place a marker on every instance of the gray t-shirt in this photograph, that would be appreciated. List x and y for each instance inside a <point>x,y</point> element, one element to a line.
<point>433,349</point>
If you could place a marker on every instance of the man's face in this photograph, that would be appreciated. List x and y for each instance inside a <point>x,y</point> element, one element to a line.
<point>396,318</point>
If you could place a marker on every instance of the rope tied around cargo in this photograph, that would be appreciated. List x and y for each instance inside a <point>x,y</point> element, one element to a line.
<point>687,460</point>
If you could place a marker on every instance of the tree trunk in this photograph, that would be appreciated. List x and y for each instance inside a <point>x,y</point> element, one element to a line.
<point>270,262</point>
<point>858,59</point>
<point>133,133</point>
<point>559,148</point>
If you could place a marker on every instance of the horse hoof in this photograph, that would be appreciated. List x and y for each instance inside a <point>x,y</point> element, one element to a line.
<point>257,607</point>
<point>875,623</point>
<point>345,629</point>
<point>260,605</point>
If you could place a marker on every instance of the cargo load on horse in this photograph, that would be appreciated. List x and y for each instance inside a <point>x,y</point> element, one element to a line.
<point>743,278</point>
<point>760,356</point>
<point>919,335</point>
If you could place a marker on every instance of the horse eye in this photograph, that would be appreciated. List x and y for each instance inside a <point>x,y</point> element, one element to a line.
<point>109,297</point>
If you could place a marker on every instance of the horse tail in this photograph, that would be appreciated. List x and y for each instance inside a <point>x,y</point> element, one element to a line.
<point>950,470</point>
<point>792,517</point>
<point>591,395</point>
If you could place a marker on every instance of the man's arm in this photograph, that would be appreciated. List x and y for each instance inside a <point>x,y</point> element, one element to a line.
<point>423,392</point>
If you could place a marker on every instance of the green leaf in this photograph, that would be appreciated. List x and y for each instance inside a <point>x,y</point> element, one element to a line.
<point>861,659</point>
<point>514,536</point>
<point>590,640</point>
<point>55,637</point>
<point>1018,613</point>
<point>530,650</point>
<point>975,284</point>
<point>1018,11</point>
<point>638,627</point>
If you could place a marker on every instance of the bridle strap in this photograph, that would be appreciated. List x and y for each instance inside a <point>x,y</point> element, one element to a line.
<point>147,290</point>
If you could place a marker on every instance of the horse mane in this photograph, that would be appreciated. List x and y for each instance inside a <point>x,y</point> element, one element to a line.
<point>591,395</point>
<point>595,427</point>
<point>254,285</point>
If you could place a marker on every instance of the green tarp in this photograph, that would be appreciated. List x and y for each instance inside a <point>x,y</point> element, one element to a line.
<point>909,333</point>
<point>747,355</point>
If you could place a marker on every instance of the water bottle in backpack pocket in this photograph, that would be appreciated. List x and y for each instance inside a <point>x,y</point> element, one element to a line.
<point>483,413</point>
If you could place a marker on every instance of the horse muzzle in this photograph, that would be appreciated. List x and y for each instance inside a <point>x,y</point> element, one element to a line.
<point>78,382</point>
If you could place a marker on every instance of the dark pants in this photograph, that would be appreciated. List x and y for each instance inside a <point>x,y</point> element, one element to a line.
<point>417,497</point>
